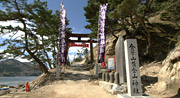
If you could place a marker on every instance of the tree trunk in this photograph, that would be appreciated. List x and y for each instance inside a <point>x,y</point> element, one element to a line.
<point>54,54</point>
<point>49,63</point>
<point>145,28</point>
<point>114,35</point>
<point>41,65</point>
<point>46,54</point>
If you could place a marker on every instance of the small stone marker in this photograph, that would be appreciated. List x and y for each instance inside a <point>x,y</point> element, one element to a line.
<point>57,72</point>
<point>111,77</point>
<point>132,68</point>
<point>116,78</point>
<point>107,76</point>
<point>120,60</point>
<point>103,76</point>
<point>96,73</point>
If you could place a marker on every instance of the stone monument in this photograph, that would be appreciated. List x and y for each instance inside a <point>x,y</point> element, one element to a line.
<point>132,68</point>
<point>132,71</point>
<point>120,60</point>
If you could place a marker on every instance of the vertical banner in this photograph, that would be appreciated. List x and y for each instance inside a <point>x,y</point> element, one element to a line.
<point>62,34</point>
<point>102,36</point>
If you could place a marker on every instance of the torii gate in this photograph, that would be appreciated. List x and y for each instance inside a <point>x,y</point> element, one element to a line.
<point>91,41</point>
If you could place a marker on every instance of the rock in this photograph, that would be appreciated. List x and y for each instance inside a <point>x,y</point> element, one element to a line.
<point>161,86</point>
<point>119,89</point>
<point>168,78</point>
<point>106,85</point>
<point>113,88</point>
<point>4,92</point>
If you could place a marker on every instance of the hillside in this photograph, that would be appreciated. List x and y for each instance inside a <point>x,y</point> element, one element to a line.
<point>13,67</point>
<point>160,67</point>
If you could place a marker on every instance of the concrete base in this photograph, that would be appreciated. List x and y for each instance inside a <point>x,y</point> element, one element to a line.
<point>127,96</point>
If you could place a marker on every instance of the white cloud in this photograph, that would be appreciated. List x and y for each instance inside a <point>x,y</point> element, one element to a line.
<point>74,49</point>
<point>71,57</point>
<point>1,50</point>
<point>73,38</point>
<point>13,23</point>
<point>94,44</point>
<point>10,34</point>
<point>22,60</point>
<point>85,38</point>
<point>10,56</point>
<point>13,35</point>
<point>78,31</point>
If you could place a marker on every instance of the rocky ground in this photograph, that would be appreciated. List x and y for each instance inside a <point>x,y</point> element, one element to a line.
<point>76,83</point>
<point>153,86</point>
<point>161,79</point>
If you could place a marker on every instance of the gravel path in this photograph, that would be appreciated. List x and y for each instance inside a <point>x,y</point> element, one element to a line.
<point>76,84</point>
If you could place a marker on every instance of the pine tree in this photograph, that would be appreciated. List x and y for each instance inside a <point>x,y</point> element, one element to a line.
<point>41,31</point>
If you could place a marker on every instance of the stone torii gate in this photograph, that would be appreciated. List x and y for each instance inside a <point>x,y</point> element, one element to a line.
<point>79,36</point>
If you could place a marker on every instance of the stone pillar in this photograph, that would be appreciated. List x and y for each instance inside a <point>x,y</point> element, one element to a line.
<point>132,68</point>
<point>57,72</point>
<point>120,60</point>
<point>96,73</point>
<point>103,76</point>
<point>107,76</point>
<point>111,77</point>
<point>116,77</point>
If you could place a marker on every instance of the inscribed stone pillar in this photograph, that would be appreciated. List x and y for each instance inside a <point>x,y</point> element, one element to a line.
<point>132,68</point>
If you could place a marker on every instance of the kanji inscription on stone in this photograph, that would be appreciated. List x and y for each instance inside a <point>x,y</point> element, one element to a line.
<point>132,68</point>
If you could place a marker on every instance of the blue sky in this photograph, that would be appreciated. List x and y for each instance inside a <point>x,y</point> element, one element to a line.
<point>75,13</point>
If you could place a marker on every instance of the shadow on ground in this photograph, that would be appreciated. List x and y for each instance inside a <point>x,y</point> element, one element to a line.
<point>147,80</point>
<point>77,77</point>
<point>177,95</point>
<point>79,69</point>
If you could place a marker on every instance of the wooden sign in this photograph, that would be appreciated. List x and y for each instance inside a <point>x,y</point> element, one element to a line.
<point>111,64</point>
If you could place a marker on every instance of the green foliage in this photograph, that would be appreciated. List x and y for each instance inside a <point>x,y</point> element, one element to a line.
<point>164,15</point>
<point>92,15</point>
<point>133,17</point>
<point>84,52</point>
<point>40,28</point>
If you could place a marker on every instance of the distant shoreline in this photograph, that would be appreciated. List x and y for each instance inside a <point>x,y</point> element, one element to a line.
<point>16,80</point>
<point>20,75</point>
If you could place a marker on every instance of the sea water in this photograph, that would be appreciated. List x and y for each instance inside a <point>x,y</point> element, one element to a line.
<point>14,81</point>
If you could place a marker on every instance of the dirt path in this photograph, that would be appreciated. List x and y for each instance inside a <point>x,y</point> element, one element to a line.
<point>75,85</point>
